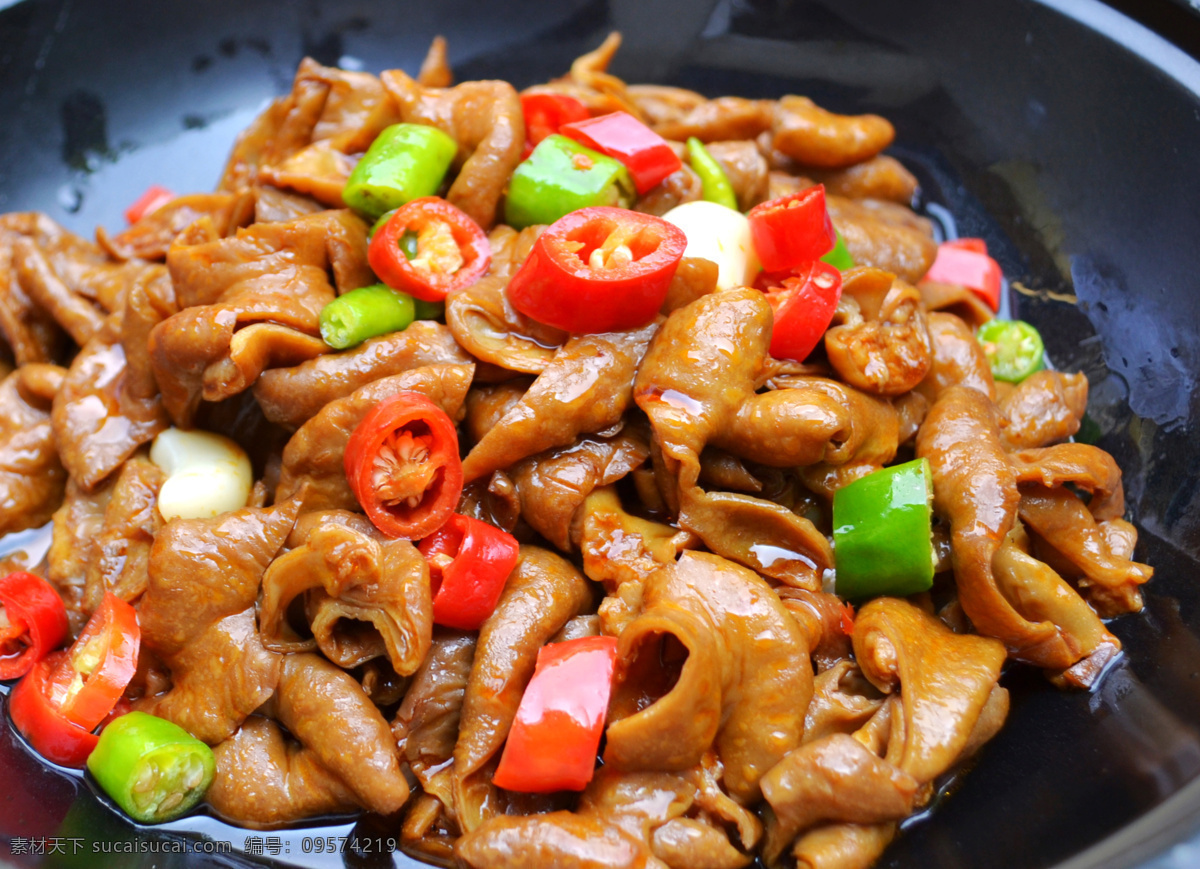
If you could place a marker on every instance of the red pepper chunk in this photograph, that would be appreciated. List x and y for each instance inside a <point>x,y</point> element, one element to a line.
<point>402,464</point>
<point>793,230</point>
<point>153,199</point>
<point>804,303</point>
<point>553,741</point>
<point>545,114</point>
<point>36,715</point>
<point>33,621</point>
<point>965,261</point>
<point>623,137</point>
<point>67,694</point>
<point>976,244</point>
<point>452,250</point>
<point>100,663</point>
<point>599,269</point>
<point>469,562</point>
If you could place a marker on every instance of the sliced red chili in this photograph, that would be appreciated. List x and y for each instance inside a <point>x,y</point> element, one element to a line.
<point>403,465</point>
<point>452,250</point>
<point>35,713</point>
<point>33,621</point>
<point>965,261</point>
<point>623,137</point>
<point>804,304</point>
<point>153,199</point>
<point>100,663</point>
<point>469,562</point>
<point>553,741</point>
<point>67,694</point>
<point>792,230</point>
<point>598,269</point>
<point>545,114</point>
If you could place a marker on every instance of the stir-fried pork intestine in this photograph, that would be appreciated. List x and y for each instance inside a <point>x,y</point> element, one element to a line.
<point>670,486</point>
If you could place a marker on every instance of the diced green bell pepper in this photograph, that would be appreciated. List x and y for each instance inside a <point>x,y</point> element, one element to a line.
<point>1013,348</point>
<point>364,313</point>
<point>714,182</point>
<point>882,533</point>
<point>405,162</point>
<point>562,176</point>
<point>839,257</point>
<point>153,769</point>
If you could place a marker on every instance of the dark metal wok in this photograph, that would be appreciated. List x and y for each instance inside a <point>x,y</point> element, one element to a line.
<point>1062,131</point>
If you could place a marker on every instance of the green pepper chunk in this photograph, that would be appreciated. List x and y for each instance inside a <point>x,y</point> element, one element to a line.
<point>562,176</point>
<point>1013,348</point>
<point>882,532</point>
<point>153,769</point>
<point>364,313</point>
<point>405,162</point>
<point>713,180</point>
<point>839,257</point>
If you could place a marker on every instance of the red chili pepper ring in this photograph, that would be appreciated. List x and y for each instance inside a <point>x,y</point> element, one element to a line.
<point>599,269</point>
<point>37,716</point>
<point>402,463</point>
<point>452,252</point>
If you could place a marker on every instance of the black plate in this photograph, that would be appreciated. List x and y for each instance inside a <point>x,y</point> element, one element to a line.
<point>1061,131</point>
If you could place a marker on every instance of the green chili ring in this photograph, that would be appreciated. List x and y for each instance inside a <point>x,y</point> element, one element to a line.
<point>1014,349</point>
<point>365,313</point>
<point>405,162</point>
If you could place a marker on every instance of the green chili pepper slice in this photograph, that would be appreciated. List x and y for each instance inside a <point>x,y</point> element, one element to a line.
<point>839,257</point>
<point>364,313</point>
<point>405,162</point>
<point>153,769</point>
<point>714,181</point>
<point>882,532</point>
<point>562,176</point>
<point>1013,348</point>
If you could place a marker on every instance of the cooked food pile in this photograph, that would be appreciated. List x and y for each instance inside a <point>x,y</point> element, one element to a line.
<point>593,475</point>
